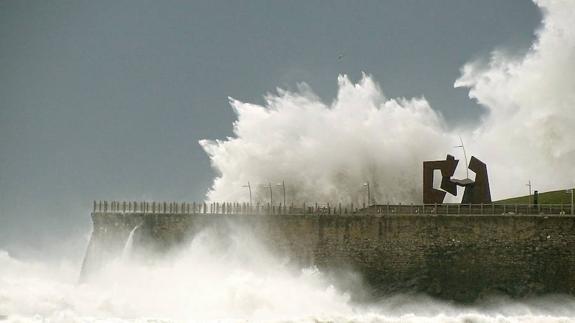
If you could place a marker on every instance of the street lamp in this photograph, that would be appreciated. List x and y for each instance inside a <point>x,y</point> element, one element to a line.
<point>250,189</point>
<point>529,184</point>
<point>283,185</point>
<point>366,184</point>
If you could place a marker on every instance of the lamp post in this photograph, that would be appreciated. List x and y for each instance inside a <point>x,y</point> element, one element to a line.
<point>366,184</point>
<point>529,184</point>
<point>250,189</point>
<point>283,185</point>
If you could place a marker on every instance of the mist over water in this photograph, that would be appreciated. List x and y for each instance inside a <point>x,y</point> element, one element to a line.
<point>326,151</point>
<point>228,279</point>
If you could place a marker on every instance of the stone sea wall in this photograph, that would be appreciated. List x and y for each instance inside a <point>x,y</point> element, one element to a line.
<point>457,257</point>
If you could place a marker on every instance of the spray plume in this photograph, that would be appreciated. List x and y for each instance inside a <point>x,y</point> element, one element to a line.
<point>327,151</point>
<point>529,127</point>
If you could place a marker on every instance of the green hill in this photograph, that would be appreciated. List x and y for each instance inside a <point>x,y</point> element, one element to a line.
<point>553,197</point>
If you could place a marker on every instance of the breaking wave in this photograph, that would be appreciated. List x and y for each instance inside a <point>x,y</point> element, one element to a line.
<point>326,152</point>
<point>235,280</point>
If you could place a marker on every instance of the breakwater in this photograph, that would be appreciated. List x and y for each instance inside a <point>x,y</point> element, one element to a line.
<point>457,252</point>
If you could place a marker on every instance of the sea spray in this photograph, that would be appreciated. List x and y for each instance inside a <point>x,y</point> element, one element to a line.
<point>528,129</point>
<point>129,245</point>
<point>236,280</point>
<point>327,151</point>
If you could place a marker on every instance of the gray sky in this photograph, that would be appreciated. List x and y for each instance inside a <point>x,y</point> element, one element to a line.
<point>107,99</point>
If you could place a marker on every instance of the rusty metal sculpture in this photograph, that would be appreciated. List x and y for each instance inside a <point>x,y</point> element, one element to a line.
<point>447,167</point>
<point>476,192</point>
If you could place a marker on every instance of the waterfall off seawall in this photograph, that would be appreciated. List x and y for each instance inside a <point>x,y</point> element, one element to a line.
<point>460,257</point>
<point>127,251</point>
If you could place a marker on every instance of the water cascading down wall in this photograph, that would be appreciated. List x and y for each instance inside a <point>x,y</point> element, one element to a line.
<point>459,253</point>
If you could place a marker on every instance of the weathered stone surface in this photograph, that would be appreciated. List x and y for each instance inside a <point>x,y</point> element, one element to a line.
<point>457,257</point>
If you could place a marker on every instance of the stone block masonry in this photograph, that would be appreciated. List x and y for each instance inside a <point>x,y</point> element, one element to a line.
<point>459,257</point>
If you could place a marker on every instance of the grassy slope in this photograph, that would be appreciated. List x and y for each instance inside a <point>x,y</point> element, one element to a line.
<point>553,197</point>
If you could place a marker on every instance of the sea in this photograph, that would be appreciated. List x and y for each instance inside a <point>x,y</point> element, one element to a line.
<point>236,280</point>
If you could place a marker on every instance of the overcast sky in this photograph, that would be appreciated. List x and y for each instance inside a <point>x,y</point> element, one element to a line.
<point>108,99</point>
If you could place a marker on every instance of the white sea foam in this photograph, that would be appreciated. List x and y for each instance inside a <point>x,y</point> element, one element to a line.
<point>229,280</point>
<point>325,152</point>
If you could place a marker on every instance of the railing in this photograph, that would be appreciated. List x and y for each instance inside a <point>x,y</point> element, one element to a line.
<point>328,209</point>
<point>473,209</point>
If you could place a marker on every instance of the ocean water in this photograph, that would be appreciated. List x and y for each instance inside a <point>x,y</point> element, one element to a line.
<point>231,280</point>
